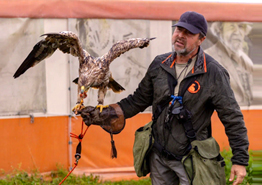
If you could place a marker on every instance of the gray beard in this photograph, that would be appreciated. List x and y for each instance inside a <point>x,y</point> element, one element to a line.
<point>183,52</point>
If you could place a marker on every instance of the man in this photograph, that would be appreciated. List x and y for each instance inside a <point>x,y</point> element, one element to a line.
<point>210,91</point>
<point>231,52</point>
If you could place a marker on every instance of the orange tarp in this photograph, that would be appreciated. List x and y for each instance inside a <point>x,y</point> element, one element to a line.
<point>124,9</point>
<point>39,145</point>
<point>45,143</point>
<point>252,120</point>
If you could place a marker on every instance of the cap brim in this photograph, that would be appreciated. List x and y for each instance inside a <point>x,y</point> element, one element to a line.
<point>187,26</point>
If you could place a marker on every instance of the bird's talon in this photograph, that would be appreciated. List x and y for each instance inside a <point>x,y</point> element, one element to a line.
<point>78,107</point>
<point>101,107</point>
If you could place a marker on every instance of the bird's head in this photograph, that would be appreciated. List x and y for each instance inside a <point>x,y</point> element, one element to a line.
<point>82,89</point>
<point>83,83</point>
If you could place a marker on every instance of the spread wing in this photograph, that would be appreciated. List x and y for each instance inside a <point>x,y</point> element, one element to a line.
<point>67,42</point>
<point>123,46</point>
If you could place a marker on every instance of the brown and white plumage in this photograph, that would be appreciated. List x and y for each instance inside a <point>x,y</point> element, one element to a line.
<point>93,72</point>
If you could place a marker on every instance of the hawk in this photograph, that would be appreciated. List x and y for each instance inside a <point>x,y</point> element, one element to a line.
<point>93,72</point>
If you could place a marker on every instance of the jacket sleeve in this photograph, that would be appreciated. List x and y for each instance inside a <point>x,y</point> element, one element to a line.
<point>140,99</point>
<point>231,116</point>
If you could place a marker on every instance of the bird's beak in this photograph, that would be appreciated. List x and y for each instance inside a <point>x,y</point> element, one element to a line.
<point>82,89</point>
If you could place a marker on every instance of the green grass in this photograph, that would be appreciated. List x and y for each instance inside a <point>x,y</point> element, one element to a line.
<point>256,169</point>
<point>20,177</point>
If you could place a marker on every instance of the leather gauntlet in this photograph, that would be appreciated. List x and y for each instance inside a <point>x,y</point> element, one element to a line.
<point>111,119</point>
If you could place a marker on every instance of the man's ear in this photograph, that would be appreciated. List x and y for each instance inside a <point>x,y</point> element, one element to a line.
<point>201,40</point>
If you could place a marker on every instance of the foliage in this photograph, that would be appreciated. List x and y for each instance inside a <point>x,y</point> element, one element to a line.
<point>254,169</point>
<point>257,168</point>
<point>227,157</point>
<point>20,177</point>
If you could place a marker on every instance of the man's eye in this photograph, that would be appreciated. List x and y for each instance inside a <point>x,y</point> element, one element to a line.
<point>189,33</point>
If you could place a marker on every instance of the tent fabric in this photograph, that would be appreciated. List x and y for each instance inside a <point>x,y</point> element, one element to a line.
<point>126,9</point>
<point>45,142</point>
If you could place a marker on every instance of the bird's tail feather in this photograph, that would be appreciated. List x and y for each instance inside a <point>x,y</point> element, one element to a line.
<point>116,87</point>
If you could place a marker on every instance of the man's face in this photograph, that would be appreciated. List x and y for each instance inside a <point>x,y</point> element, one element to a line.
<point>185,42</point>
<point>233,34</point>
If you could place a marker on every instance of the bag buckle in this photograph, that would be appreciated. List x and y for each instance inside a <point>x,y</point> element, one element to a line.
<point>178,98</point>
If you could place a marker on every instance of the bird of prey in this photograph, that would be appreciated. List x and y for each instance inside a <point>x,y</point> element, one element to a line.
<point>93,72</point>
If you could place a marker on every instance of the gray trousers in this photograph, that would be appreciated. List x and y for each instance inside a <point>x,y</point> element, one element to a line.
<point>166,172</point>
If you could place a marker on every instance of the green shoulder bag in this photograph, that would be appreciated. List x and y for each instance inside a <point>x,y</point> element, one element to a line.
<point>143,143</point>
<point>204,164</point>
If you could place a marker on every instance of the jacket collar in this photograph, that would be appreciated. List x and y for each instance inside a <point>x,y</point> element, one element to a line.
<point>199,67</point>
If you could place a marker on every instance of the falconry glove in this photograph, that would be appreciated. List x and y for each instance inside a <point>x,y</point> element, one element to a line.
<point>111,119</point>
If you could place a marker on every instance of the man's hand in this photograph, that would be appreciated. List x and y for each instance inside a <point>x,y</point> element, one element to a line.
<point>111,119</point>
<point>239,171</point>
<point>92,115</point>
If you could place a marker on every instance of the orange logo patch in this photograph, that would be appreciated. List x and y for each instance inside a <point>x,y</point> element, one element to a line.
<point>194,87</point>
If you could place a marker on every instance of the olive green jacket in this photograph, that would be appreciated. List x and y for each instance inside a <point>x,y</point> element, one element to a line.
<point>211,91</point>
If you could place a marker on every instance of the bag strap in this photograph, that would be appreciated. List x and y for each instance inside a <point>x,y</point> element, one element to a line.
<point>187,124</point>
<point>159,108</point>
<point>189,130</point>
<point>172,83</point>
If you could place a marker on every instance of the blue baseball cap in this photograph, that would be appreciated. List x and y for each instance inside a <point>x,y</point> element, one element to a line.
<point>193,22</point>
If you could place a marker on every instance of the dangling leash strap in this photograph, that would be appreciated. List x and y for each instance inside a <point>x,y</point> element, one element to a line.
<point>78,149</point>
<point>113,147</point>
